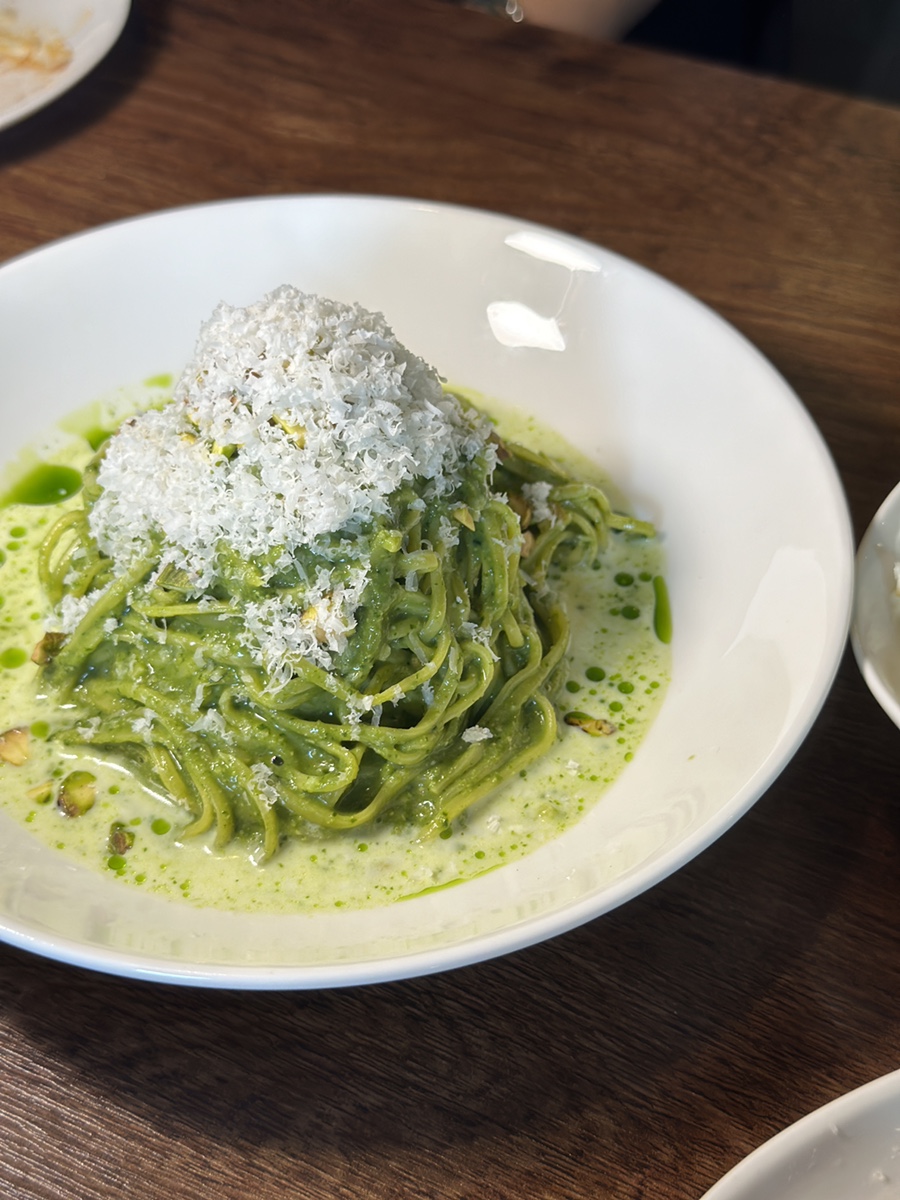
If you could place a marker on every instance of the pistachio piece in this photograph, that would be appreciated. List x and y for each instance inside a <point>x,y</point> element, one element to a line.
<point>595,726</point>
<point>77,793</point>
<point>311,617</point>
<point>503,452</point>
<point>463,514</point>
<point>42,794</point>
<point>14,746</point>
<point>521,508</point>
<point>48,647</point>
<point>121,838</point>
<point>389,540</point>
<point>174,579</point>
<point>296,433</point>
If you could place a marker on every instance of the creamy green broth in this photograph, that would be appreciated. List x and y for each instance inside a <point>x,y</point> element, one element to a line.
<point>617,670</point>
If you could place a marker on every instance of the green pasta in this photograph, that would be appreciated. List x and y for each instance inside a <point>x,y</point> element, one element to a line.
<point>450,638</point>
<point>442,688</point>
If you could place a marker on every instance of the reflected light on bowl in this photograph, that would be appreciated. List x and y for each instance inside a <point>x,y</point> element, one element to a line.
<point>790,602</point>
<point>553,250</point>
<point>514,324</point>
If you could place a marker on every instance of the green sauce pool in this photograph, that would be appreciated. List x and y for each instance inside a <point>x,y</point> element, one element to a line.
<point>47,483</point>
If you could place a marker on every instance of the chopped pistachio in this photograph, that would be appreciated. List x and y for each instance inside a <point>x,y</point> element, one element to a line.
<point>501,447</point>
<point>463,514</point>
<point>389,540</point>
<point>14,746</point>
<point>296,433</point>
<point>521,508</point>
<point>311,617</point>
<point>77,793</point>
<point>48,647</point>
<point>121,838</point>
<point>174,579</point>
<point>42,793</point>
<point>595,726</point>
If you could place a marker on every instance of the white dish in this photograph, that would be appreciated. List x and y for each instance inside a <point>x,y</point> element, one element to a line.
<point>697,429</point>
<point>875,634</point>
<point>89,29</point>
<point>847,1150</point>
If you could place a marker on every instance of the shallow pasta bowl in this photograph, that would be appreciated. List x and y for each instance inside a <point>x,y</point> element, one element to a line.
<point>694,427</point>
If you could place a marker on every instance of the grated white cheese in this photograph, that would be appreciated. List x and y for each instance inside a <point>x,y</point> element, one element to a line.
<point>476,733</point>
<point>480,634</point>
<point>89,728</point>
<point>448,532</point>
<point>537,494</point>
<point>297,417</point>
<point>71,609</point>
<point>297,420</point>
<point>282,635</point>
<point>211,721</point>
<point>264,780</point>
<point>143,725</point>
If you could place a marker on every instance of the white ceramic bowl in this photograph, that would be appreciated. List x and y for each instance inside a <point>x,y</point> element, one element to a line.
<point>696,428</point>
<point>875,633</point>
<point>88,30</point>
<point>847,1150</point>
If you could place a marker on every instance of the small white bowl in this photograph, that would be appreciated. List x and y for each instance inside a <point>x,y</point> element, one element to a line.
<point>875,632</point>
<point>847,1149</point>
<point>89,31</point>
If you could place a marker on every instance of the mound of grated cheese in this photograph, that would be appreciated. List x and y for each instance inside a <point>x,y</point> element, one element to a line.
<point>297,419</point>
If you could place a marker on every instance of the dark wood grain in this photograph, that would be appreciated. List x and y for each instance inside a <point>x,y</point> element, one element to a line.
<point>645,1053</point>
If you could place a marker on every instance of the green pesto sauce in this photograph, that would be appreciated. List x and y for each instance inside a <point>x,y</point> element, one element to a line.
<point>618,666</point>
<point>47,483</point>
<point>662,612</point>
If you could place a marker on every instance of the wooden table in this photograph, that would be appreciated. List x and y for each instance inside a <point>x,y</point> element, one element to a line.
<point>647,1052</point>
